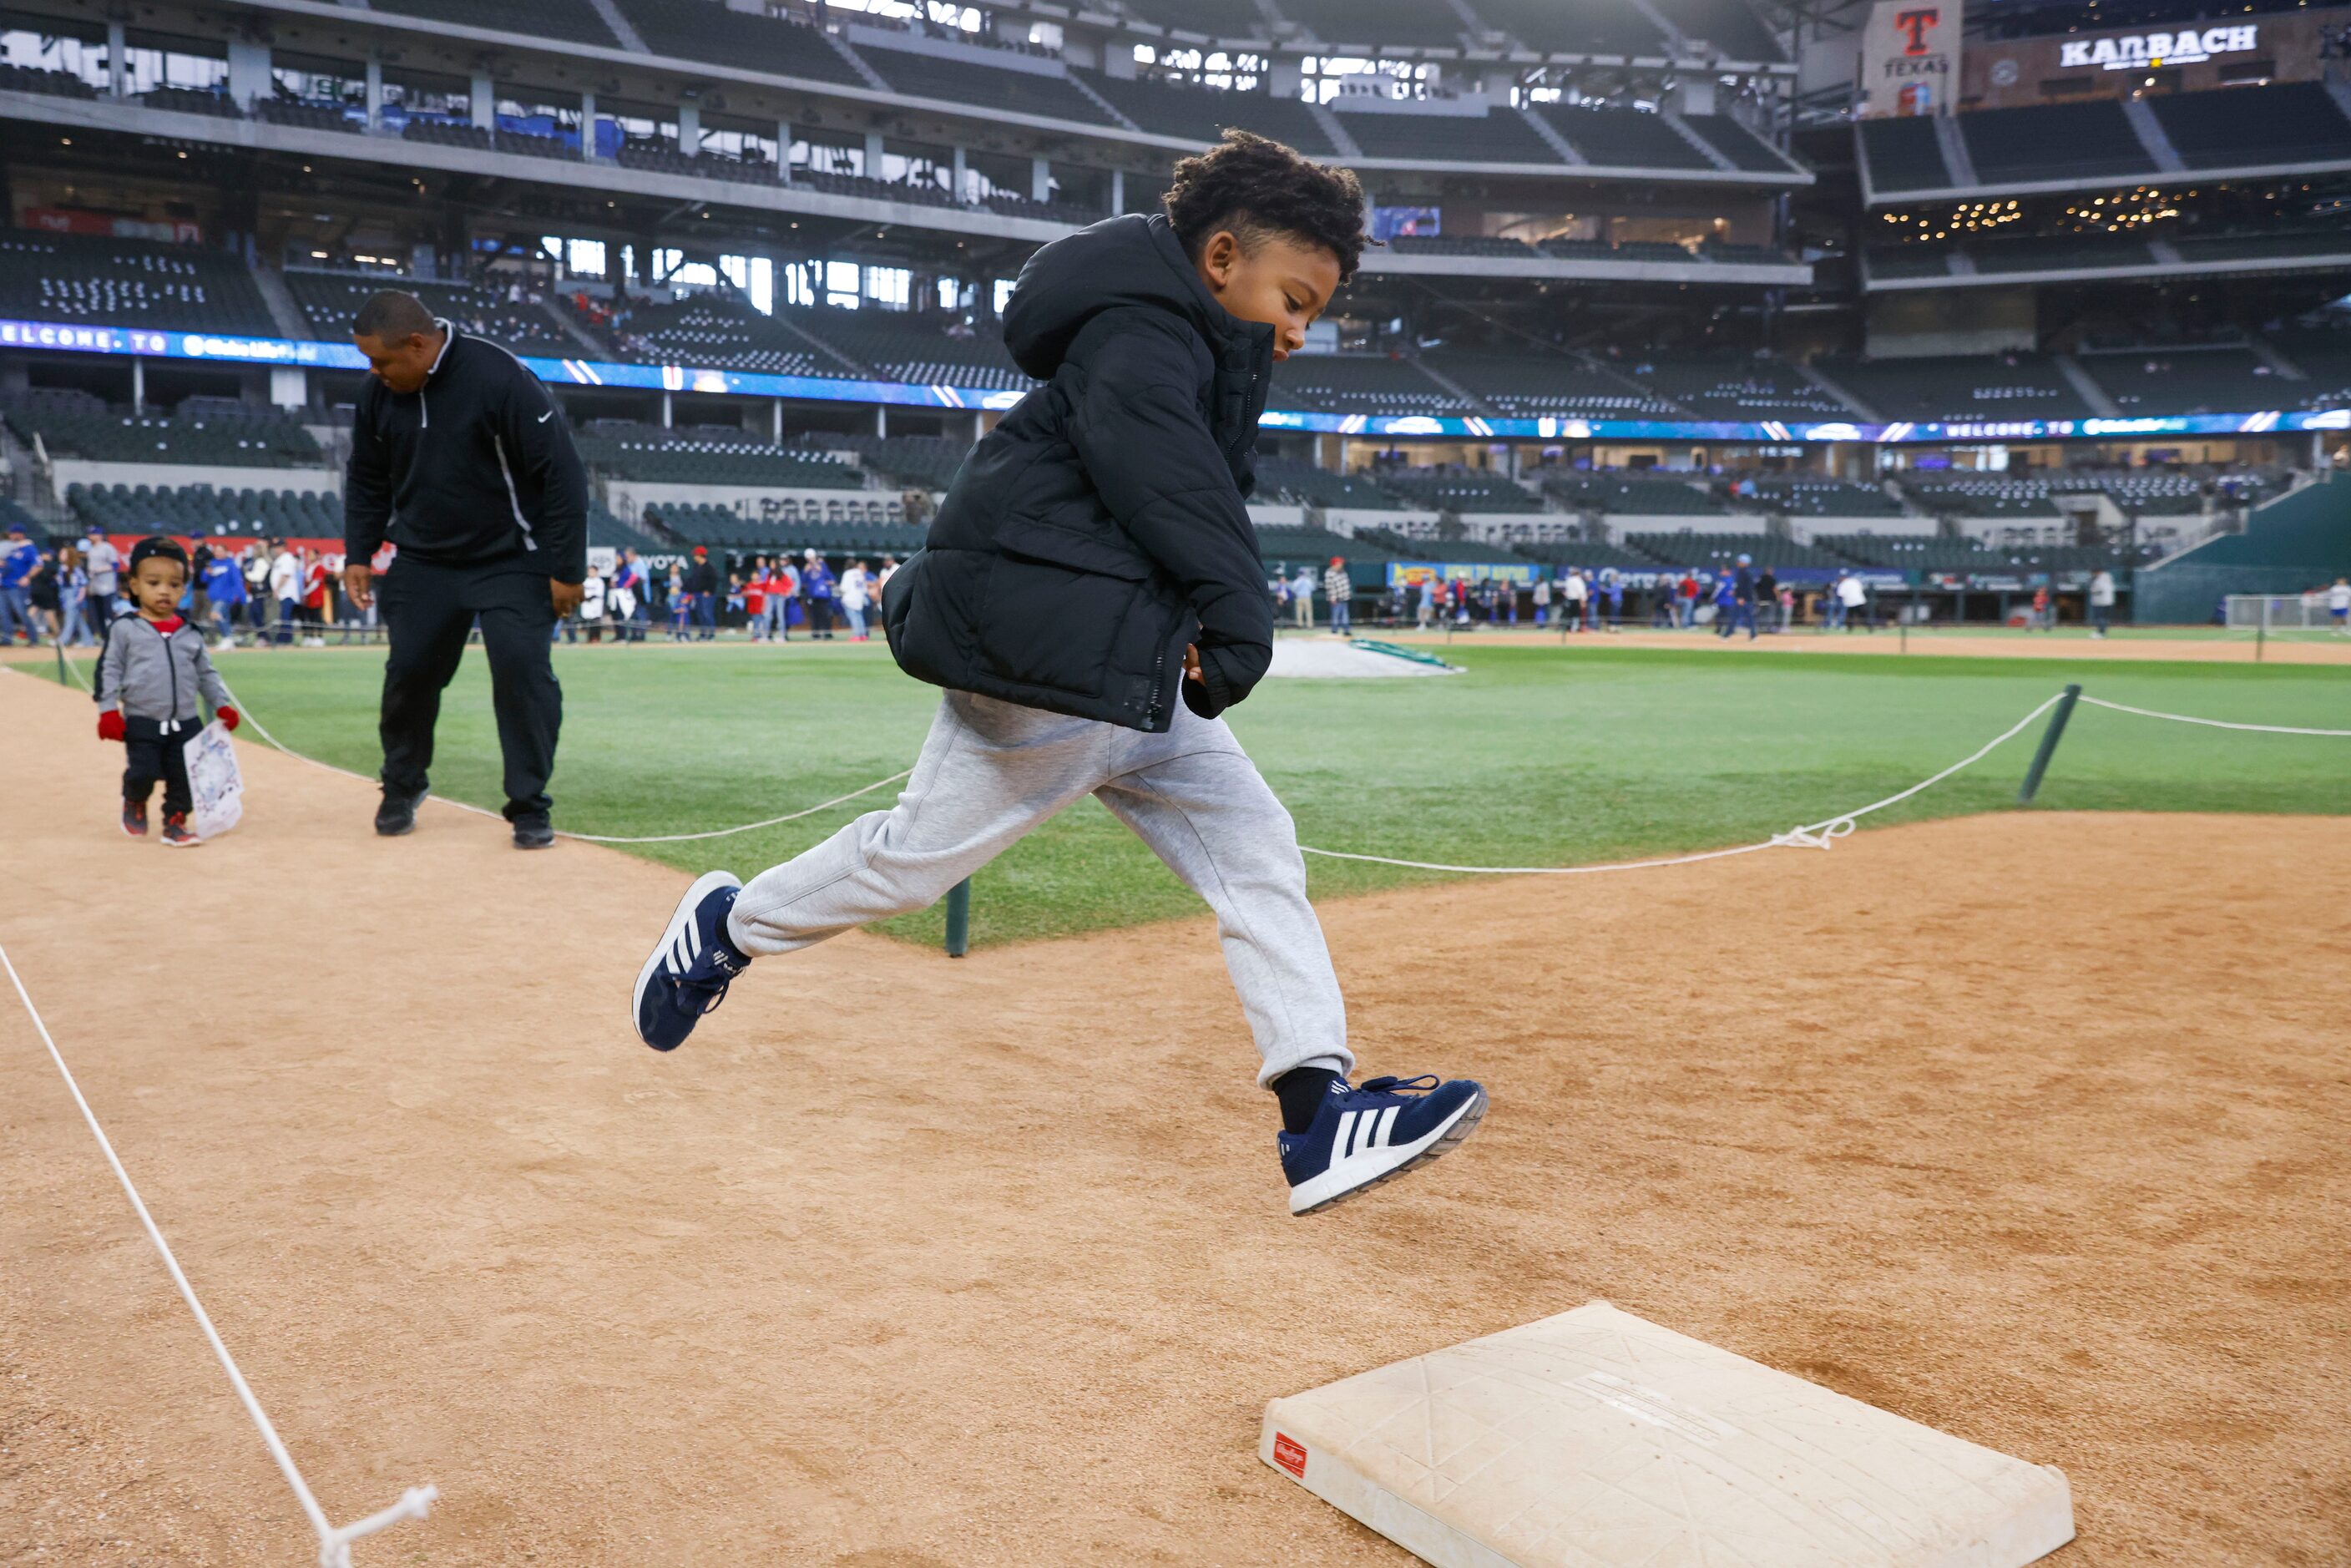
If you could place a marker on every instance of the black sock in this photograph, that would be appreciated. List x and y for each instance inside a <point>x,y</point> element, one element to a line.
<point>1300,1092</point>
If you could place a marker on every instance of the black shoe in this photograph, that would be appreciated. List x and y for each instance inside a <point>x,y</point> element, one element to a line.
<point>533,832</point>
<point>397,815</point>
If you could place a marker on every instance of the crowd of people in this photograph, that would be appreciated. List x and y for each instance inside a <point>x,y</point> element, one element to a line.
<point>767,597</point>
<point>268,592</point>
<point>1575,599</point>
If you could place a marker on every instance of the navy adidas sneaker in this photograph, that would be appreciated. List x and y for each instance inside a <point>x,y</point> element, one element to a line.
<point>1362,1136</point>
<point>692,964</point>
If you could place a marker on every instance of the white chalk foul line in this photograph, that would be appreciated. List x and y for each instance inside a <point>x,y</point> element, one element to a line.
<point>2211,722</point>
<point>334,1544</point>
<point>1817,835</point>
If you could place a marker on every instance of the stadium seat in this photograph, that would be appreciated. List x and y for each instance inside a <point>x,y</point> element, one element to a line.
<point>1602,27</point>
<point>714,31</point>
<point>201,511</point>
<point>1804,496</point>
<point>1960,387</point>
<point>572,21</point>
<point>1455,490</point>
<point>1737,143</point>
<point>1743,388</point>
<point>1986,496</point>
<point>53,84</point>
<point>2054,142</point>
<point>1730,27</point>
<point>252,438</point>
<point>2192,381</point>
<point>650,455</point>
<point>1378,23</point>
<point>1634,496</point>
<point>1358,383</point>
<point>1286,549</point>
<point>1202,113</point>
<point>1623,137</point>
<point>904,346</point>
<point>1523,384</point>
<point>2290,123</point>
<point>84,280</point>
<point>1304,483</point>
<point>1498,136</point>
<point>1902,154</point>
<point>1717,551</point>
<point>968,82</point>
<point>331,299</point>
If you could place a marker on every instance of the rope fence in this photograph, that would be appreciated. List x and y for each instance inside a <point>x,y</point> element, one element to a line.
<point>334,1542</point>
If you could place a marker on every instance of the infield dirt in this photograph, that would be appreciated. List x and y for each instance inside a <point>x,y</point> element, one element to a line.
<point>2034,1128</point>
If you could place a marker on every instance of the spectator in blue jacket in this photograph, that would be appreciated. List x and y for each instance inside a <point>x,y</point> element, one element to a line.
<point>224,590</point>
<point>19,559</point>
<point>820,593</point>
<point>1740,587</point>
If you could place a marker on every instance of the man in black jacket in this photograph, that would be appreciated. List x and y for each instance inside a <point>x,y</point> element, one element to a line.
<point>1092,599</point>
<point>462,460</point>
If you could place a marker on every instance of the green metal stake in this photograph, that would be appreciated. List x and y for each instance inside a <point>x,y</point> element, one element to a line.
<point>2049,739</point>
<point>959,918</point>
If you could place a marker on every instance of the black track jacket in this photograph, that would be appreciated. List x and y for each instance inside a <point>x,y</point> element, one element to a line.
<point>475,468</point>
<point>1100,528</point>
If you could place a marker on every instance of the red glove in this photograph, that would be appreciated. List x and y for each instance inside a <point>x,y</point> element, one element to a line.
<point>229,717</point>
<point>110,724</point>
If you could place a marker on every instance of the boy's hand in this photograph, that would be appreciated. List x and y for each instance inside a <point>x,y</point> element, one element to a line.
<point>110,724</point>
<point>229,717</point>
<point>1192,664</point>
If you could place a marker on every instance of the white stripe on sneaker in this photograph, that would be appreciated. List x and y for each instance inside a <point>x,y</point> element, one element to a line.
<point>1387,1127</point>
<point>1339,1147</point>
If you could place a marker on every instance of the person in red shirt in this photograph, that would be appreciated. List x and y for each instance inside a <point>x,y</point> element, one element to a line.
<point>756,590</point>
<point>314,600</point>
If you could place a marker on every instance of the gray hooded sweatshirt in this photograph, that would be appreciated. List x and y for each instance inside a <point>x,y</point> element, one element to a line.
<point>154,677</point>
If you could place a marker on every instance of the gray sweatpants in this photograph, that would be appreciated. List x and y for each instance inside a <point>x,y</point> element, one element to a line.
<point>992,771</point>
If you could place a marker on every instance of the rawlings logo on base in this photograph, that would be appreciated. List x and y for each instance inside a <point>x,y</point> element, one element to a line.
<point>1290,1455</point>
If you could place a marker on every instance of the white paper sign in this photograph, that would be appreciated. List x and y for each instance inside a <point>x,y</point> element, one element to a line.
<point>213,780</point>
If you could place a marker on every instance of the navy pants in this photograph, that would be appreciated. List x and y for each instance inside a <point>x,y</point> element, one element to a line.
<point>428,610</point>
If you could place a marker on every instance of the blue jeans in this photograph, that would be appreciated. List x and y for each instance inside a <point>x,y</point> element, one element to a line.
<point>15,613</point>
<point>705,615</point>
<point>1340,611</point>
<point>224,617</point>
<point>855,614</point>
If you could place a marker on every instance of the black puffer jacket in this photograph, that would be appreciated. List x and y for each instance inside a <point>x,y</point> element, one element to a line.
<point>1100,529</point>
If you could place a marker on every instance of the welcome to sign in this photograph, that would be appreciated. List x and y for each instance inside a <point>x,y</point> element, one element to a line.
<point>2140,51</point>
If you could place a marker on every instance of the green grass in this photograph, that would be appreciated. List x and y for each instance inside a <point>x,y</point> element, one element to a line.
<point>1535,756</point>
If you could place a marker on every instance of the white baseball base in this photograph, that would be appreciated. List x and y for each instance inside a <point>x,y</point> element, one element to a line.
<point>1593,1439</point>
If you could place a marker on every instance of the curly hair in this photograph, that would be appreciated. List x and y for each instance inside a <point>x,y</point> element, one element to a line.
<point>1257,187</point>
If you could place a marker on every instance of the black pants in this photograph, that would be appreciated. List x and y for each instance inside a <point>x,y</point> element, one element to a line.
<point>427,611</point>
<point>151,751</point>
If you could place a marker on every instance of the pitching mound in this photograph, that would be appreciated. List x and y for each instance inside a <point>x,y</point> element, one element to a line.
<point>2029,1128</point>
<point>1329,659</point>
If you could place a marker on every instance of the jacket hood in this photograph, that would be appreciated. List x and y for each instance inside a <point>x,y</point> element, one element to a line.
<point>1119,262</point>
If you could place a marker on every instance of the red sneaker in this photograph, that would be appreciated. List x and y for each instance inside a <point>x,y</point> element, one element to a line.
<point>175,831</point>
<point>134,818</point>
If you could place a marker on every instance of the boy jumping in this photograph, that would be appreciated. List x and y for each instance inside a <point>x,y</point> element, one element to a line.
<point>1092,600</point>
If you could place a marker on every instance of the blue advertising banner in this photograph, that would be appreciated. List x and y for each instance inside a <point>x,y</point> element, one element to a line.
<point>65,337</point>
